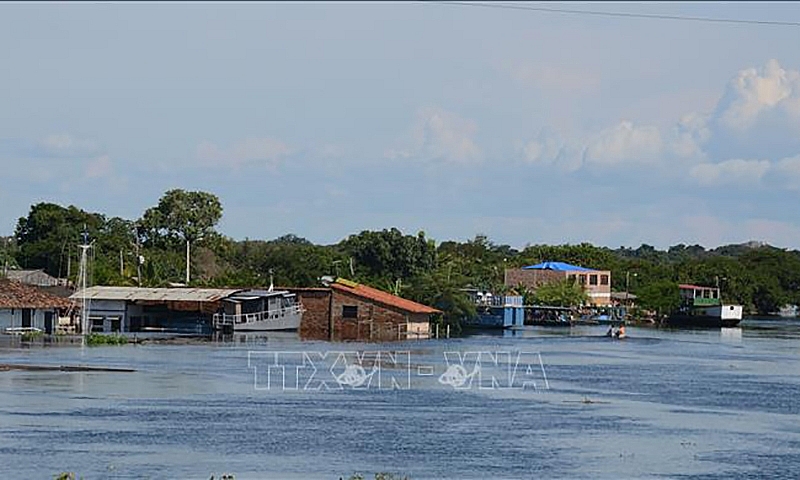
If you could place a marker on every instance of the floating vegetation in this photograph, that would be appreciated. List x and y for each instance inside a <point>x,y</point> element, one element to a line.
<point>30,336</point>
<point>94,339</point>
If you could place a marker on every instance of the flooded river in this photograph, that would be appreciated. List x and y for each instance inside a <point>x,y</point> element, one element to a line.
<point>539,403</point>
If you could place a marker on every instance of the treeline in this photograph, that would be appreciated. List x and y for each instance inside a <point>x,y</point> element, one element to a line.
<point>151,251</point>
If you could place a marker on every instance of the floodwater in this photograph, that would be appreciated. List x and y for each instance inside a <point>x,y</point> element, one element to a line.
<point>698,404</point>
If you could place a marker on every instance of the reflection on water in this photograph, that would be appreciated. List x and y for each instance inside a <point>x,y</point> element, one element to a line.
<point>677,404</point>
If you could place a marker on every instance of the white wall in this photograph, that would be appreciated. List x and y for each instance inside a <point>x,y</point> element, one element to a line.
<point>9,319</point>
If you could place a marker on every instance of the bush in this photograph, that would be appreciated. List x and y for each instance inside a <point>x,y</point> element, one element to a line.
<point>94,339</point>
<point>29,336</point>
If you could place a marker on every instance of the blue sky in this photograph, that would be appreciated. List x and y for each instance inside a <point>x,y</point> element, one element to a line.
<point>327,119</point>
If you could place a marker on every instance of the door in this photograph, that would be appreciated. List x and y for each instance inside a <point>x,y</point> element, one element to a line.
<point>26,318</point>
<point>48,323</point>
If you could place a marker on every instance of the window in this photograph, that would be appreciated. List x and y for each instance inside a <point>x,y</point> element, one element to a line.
<point>603,279</point>
<point>349,311</point>
<point>572,278</point>
<point>582,279</point>
<point>592,279</point>
<point>97,324</point>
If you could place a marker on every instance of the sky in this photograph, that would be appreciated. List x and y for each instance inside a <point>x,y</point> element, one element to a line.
<point>326,119</point>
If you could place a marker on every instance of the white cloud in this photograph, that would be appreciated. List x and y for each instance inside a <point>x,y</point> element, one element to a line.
<point>758,116</point>
<point>786,172</point>
<point>99,167</point>
<point>544,149</point>
<point>66,145</point>
<point>439,134</point>
<point>730,172</point>
<point>758,92</point>
<point>265,150</point>
<point>624,143</point>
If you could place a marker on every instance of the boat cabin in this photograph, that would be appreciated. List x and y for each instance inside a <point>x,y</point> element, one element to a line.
<point>697,296</point>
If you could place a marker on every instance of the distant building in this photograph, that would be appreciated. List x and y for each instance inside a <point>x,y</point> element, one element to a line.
<point>134,309</point>
<point>346,310</point>
<point>495,311</point>
<point>178,310</point>
<point>35,277</point>
<point>26,306</point>
<point>596,283</point>
<point>626,299</point>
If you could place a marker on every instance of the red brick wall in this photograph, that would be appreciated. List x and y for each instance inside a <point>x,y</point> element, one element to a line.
<point>531,278</point>
<point>316,303</point>
<point>374,322</point>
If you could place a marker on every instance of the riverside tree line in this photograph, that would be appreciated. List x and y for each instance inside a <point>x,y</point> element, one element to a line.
<point>152,251</point>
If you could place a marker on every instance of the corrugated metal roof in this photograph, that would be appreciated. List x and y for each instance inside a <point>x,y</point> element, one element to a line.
<point>32,277</point>
<point>558,266</point>
<point>156,294</point>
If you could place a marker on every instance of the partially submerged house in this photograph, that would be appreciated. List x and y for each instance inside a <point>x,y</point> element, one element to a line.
<point>596,283</point>
<point>346,310</point>
<point>179,310</point>
<point>495,311</point>
<point>24,306</point>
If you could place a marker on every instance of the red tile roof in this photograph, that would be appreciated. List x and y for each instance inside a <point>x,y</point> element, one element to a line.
<point>685,286</point>
<point>19,295</point>
<point>380,296</point>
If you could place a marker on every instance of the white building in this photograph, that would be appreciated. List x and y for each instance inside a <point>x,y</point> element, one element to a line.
<point>26,306</point>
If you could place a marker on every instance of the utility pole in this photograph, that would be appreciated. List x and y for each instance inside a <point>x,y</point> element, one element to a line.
<point>628,286</point>
<point>187,262</point>
<point>139,261</point>
<point>5,259</point>
<point>121,264</point>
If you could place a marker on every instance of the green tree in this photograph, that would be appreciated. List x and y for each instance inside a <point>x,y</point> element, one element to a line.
<point>661,296</point>
<point>383,257</point>
<point>180,215</point>
<point>50,233</point>
<point>561,293</point>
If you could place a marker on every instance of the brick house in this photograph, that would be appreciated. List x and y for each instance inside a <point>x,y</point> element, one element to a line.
<point>26,306</point>
<point>347,310</point>
<point>596,283</point>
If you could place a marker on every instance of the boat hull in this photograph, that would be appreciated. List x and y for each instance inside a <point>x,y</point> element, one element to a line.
<point>709,317</point>
<point>283,323</point>
<point>700,321</point>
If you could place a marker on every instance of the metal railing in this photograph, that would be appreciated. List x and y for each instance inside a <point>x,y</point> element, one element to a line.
<point>223,320</point>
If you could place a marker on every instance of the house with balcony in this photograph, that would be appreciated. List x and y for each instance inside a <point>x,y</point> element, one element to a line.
<point>596,283</point>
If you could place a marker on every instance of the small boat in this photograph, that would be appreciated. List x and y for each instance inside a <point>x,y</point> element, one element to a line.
<point>260,311</point>
<point>702,307</point>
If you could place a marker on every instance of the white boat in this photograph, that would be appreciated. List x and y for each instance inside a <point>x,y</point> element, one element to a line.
<point>259,311</point>
<point>703,307</point>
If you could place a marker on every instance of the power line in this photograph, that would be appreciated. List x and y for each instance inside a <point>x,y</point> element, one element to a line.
<point>620,14</point>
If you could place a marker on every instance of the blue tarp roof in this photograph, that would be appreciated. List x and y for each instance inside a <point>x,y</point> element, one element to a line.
<point>558,266</point>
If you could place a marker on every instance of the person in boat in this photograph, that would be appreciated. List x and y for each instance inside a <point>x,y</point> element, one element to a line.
<point>621,331</point>
<point>610,332</point>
